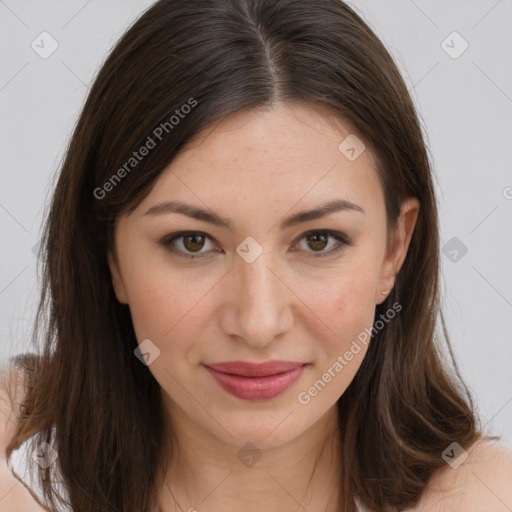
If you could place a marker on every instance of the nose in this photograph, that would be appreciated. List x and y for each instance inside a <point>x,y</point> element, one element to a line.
<point>259,305</point>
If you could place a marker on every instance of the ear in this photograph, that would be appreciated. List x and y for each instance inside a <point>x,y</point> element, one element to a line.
<point>117,280</point>
<point>397,247</point>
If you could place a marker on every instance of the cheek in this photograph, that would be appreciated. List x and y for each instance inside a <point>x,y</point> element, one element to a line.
<point>343,302</point>
<point>354,303</point>
<point>165,305</point>
<point>348,309</point>
<point>346,305</point>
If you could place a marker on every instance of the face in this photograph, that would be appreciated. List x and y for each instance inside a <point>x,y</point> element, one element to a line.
<point>262,287</point>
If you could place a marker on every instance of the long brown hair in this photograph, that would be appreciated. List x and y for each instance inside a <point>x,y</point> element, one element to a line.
<point>87,393</point>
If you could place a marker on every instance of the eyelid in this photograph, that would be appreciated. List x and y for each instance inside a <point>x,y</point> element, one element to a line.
<point>167,241</point>
<point>341,238</point>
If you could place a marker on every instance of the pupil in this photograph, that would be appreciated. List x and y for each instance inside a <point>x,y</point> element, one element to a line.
<point>315,245</point>
<point>194,242</point>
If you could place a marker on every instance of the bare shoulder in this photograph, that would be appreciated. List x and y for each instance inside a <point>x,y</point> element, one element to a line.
<point>12,391</point>
<point>13,386</point>
<point>482,482</point>
<point>13,494</point>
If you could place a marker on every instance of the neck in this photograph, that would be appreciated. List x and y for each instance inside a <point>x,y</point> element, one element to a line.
<point>208,475</point>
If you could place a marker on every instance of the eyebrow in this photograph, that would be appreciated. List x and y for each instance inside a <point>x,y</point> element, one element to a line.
<point>195,212</point>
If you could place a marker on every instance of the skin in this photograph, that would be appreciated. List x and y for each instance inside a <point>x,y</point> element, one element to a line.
<point>255,168</point>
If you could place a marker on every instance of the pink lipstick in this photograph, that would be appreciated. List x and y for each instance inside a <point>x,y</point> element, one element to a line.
<point>256,381</point>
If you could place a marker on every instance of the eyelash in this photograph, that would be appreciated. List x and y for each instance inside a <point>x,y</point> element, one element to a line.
<point>342,241</point>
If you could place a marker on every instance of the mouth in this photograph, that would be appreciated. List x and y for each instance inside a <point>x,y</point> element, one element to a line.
<point>256,381</point>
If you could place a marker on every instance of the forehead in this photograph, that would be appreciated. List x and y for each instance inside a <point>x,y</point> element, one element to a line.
<point>277,156</point>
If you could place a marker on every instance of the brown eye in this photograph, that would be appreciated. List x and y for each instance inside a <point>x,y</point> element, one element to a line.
<point>317,241</point>
<point>188,244</point>
<point>323,243</point>
<point>194,242</point>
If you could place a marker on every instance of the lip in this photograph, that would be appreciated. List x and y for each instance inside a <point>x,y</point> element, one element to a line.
<point>248,369</point>
<point>256,381</point>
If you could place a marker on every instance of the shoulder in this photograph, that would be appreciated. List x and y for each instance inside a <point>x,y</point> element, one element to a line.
<point>482,482</point>
<point>12,391</point>
<point>13,494</point>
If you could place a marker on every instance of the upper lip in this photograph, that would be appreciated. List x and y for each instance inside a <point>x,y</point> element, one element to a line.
<point>248,369</point>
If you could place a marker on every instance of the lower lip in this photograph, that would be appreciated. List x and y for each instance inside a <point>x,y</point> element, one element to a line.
<point>257,388</point>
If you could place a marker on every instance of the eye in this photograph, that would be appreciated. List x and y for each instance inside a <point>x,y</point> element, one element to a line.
<point>318,240</point>
<point>192,242</point>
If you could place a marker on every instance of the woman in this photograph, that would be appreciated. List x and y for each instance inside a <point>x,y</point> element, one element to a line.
<point>241,275</point>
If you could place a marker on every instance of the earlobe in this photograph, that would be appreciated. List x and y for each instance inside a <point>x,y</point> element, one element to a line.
<point>397,251</point>
<point>117,281</point>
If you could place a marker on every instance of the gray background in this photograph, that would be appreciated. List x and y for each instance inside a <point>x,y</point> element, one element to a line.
<point>465,105</point>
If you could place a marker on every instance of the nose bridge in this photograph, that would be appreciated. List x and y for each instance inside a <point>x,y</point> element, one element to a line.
<point>257,276</point>
<point>260,299</point>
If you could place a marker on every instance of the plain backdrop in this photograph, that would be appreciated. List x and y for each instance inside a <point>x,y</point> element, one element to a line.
<point>455,58</point>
